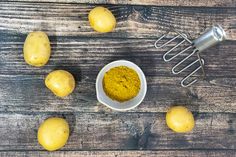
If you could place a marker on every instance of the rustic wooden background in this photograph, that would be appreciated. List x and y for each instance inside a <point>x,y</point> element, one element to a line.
<point>96,130</point>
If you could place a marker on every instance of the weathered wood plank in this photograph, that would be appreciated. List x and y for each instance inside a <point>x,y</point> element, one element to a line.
<point>133,21</point>
<point>22,86</point>
<point>28,93</point>
<point>123,131</point>
<point>182,153</point>
<point>202,3</point>
<point>90,55</point>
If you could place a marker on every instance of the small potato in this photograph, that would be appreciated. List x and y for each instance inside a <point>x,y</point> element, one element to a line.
<point>60,82</point>
<point>180,119</point>
<point>37,49</point>
<point>53,133</point>
<point>102,20</point>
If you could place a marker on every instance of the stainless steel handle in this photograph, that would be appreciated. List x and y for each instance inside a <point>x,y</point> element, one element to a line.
<point>210,38</point>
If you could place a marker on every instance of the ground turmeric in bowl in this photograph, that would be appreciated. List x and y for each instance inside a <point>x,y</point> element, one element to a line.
<point>121,83</point>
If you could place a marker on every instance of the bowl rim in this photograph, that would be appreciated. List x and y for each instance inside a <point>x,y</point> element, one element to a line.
<point>137,69</point>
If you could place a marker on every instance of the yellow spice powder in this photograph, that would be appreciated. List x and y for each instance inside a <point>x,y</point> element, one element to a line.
<point>121,83</point>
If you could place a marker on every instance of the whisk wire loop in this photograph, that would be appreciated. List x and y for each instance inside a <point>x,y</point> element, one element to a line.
<point>184,37</point>
<point>208,39</point>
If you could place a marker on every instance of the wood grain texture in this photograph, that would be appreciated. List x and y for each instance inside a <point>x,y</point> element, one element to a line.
<point>22,86</point>
<point>95,130</point>
<point>123,131</point>
<point>202,3</point>
<point>91,54</point>
<point>176,153</point>
<point>133,21</point>
<point>28,93</point>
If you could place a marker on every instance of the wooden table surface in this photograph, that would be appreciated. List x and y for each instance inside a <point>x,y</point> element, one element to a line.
<point>25,102</point>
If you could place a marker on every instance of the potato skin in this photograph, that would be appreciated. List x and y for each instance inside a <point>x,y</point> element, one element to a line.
<point>53,133</point>
<point>102,20</point>
<point>37,49</point>
<point>60,82</point>
<point>180,119</point>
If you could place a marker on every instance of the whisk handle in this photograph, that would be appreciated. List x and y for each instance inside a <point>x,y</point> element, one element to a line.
<point>210,38</point>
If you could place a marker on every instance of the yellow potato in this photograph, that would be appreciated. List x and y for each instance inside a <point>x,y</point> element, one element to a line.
<point>37,49</point>
<point>180,119</point>
<point>53,133</point>
<point>102,20</point>
<point>60,82</point>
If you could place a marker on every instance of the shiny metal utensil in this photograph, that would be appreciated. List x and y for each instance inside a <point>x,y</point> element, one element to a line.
<point>210,38</point>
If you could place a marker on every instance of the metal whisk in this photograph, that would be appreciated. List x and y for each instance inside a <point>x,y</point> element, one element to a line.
<point>211,37</point>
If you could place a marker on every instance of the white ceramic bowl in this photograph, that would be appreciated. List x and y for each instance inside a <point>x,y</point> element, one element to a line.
<point>115,105</point>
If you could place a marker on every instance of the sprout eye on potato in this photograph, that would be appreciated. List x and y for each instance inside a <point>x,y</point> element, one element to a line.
<point>37,49</point>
